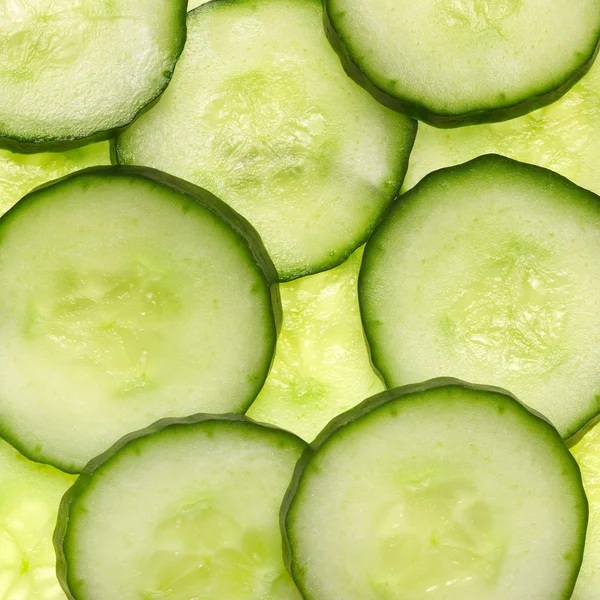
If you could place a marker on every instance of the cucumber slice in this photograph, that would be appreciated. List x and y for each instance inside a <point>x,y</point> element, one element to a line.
<point>564,137</point>
<point>440,490</point>
<point>587,454</point>
<point>321,365</point>
<point>21,173</point>
<point>75,70</point>
<point>261,113</point>
<point>185,509</point>
<point>126,295</point>
<point>461,62</point>
<point>485,271</point>
<point>29,497</point>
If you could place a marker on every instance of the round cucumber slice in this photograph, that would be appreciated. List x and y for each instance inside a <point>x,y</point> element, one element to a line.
<point>462,62</point>
<point>75,70</point>
<point>261,113</point>
<point>441,490</point>
<point>587,454</point>
<point>21,173</point>
<point>485,272</point>
<point>185,509</point>
<point>30,494</point>
<point>126,295</point>
<point>321,367</point>
<point>564,137</point>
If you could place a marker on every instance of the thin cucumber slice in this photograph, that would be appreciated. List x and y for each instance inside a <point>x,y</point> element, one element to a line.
<point>76,70</point>
<point>564,137</point>
<point>29,498</point>
<point>441,490</point>
<point>261,113</point>
<point>21,173</point>
<point>195,4</point>
<point>461,62</point>
<point>486,272</point>
<point>186,509</point>
<point>587,454</point>
<point>321,365</point>
<point>126,295</point>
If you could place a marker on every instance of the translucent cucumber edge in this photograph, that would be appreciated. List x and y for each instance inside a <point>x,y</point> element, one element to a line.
<point>203,198</point>
<point>86,478</point>
<point>339,423</point>
<point>31,146</point>
<point>583,425</point>
<point>417,110</point>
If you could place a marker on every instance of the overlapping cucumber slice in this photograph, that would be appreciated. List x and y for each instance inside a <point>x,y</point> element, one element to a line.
<point>75,70</point>
<point>261,113</point>
<point>126,295</point>
<point>460,62</point>
<point>186,509</point>
<point>443,491</point>
<point>487,272</point>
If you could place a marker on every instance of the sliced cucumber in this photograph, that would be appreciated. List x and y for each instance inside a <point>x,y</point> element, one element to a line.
<point>459,62</point>
<point>261,113</point>
<point>29,497</point>
<point>564,137</point>
<point>587,454</point>
<point>441,490</point>
<point>321,366</point>
<point>126,295</point>
<point>20,173</point>
<point>71,70</point>
<point>486,272</point>
<point>186,509</point>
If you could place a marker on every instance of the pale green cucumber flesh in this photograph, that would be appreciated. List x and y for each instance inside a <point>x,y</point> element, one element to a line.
<point>261,113</point>
<point>563,137</point>
<point>459,62</point>
<point>29,497</point>
<point>485,272</point>
<point>126,296</point>
<point>441,490</point>
<point>21,173</point>
<point>188,510</point>
<point>75,69</point>
<point>321,366</point>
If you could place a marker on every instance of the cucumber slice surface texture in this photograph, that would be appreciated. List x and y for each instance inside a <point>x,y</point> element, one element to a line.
<point>487,272</point>
<point>261,113</point>
<point>186,510</point>
<point>461,62</point>
<point>30,494</point>
<point>587,454</point>
<point>440,490</point>
<point>78,69</point>
<point>126,296</point>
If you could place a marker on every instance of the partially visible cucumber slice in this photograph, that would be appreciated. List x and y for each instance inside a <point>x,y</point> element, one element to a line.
<point>460,62</point>
<point>75,70</point>
<point>587,454</point>
<point>261,113</point>
<point>564,137</point>
<point>441,490</point>
<point>126,295</point>
<point>186,509</point>
<point>321,365</point>
<point>20,173</point>
<point>487,272</point>
<point>29,497</point>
